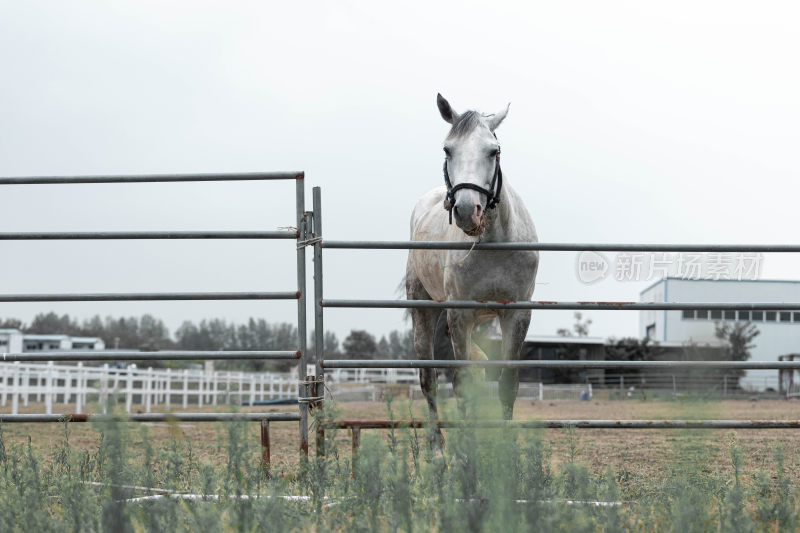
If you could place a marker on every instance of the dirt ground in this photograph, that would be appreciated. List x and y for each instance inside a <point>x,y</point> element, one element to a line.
<point>637,452</point>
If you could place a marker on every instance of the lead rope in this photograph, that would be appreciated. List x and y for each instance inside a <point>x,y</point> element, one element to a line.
<point>457,263</point>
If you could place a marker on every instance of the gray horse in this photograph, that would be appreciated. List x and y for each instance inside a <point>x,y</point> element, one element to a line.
<point>484,209</point>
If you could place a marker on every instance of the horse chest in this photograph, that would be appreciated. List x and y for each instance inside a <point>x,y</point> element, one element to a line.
<point>491,276</point>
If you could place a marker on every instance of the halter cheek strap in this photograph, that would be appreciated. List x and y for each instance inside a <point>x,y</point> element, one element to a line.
<point>492,193</point>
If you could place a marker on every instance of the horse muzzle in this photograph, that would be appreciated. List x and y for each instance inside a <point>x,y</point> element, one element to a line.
<point>469,218</point>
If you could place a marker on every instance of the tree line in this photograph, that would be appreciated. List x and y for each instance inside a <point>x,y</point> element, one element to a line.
<point>148,333</point>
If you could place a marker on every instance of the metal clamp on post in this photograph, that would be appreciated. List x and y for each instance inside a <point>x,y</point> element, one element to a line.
<point>308,242</point>
<point>315,385</point>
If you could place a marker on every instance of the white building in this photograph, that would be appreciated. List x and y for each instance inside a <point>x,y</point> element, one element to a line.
<point>14,341</point>
<point>779,330</point>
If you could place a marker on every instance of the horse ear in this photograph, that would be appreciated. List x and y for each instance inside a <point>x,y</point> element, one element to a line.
<point>494,120</point>
<point>447,112</point>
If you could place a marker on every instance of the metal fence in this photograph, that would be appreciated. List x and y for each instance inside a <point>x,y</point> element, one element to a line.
<point>309,232</point>
<point>321,303</point>
<point>298,234</point>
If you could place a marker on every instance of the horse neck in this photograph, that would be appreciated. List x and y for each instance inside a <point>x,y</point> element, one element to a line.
<point>498,223</point>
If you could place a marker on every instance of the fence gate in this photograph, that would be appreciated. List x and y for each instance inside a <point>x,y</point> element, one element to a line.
<point>298,234</point>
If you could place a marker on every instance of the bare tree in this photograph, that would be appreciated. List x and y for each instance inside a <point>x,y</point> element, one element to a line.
<point>579,329</point>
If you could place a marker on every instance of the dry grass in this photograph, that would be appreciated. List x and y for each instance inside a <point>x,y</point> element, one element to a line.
<point>640,453</point>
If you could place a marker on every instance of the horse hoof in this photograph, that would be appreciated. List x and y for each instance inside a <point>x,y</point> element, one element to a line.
<point>437,442</point>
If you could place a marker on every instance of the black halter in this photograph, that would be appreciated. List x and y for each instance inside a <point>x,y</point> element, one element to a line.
<point>492,194</point>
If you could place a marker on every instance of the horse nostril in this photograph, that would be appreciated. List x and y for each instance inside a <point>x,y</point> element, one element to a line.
<point>455,209</point>
<point>478,209</point>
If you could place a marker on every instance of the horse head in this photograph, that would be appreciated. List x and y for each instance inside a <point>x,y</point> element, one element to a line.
<point>472,166</point>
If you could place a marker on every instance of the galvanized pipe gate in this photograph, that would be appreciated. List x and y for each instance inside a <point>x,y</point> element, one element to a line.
<point>298,234</point>
<point>320,303</point>
<point>308,232</point>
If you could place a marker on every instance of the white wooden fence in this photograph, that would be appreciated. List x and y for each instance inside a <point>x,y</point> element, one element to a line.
<point>373,375</point>
<point>66,384</point>
<point>527,390</point>
<point>78,384</point>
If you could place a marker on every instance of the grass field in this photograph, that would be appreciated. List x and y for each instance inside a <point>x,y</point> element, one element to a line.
<point>78,476</point>
<point>640,452</point>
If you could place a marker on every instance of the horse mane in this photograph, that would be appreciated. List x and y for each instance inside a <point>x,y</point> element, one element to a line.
<point>466,123</point>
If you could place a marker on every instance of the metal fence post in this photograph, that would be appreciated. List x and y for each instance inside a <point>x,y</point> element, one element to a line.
<point>319,329</point>
<point>265,447</point>
<point>302,235</point>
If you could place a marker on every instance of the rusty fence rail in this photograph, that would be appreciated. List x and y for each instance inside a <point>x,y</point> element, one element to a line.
<point>264,420</point>
<point>355,426</point>
<point>559,424</point>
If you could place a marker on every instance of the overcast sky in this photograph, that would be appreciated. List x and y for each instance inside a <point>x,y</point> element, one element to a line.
<point>629,122</point>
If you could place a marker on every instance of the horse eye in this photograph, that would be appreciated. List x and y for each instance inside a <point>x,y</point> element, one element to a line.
<point>493,153</point>
<point>447,151</point>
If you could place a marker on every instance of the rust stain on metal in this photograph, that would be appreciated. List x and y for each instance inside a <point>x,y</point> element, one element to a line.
<point>77,417</point>
<point>611,304</point>
<point>546,302</point>
<point>299,354</point>
<point>298,294</point>
<point>300,175</point>
<point>265,448</point>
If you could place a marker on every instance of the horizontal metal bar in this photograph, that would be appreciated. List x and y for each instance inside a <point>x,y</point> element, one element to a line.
<point>148,296</point>
<point>165,355</point>
<point>144,235</point>
<point>580,424</point>
<point>559,246</point>
<point>152,417</point>
<point>424,363</point>
<point>607,306</point>
<point>153,178</point>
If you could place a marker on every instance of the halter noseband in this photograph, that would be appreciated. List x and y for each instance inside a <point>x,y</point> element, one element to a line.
<point>492,195</point>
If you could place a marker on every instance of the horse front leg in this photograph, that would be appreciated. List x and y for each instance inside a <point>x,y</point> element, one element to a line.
<point>461,323</point>
<point>514,326</point>
<point>424,322</point>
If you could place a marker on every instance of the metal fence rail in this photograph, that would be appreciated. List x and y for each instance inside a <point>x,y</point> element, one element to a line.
<point>152,178</point>
<point>559,246</point>
<point>164,355</point>
<point>599,306</point>
<point>148,296</point>
<point>446,363</point>
<point>143,235</point>
<point>580,424</point>
<point>150,417</point>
